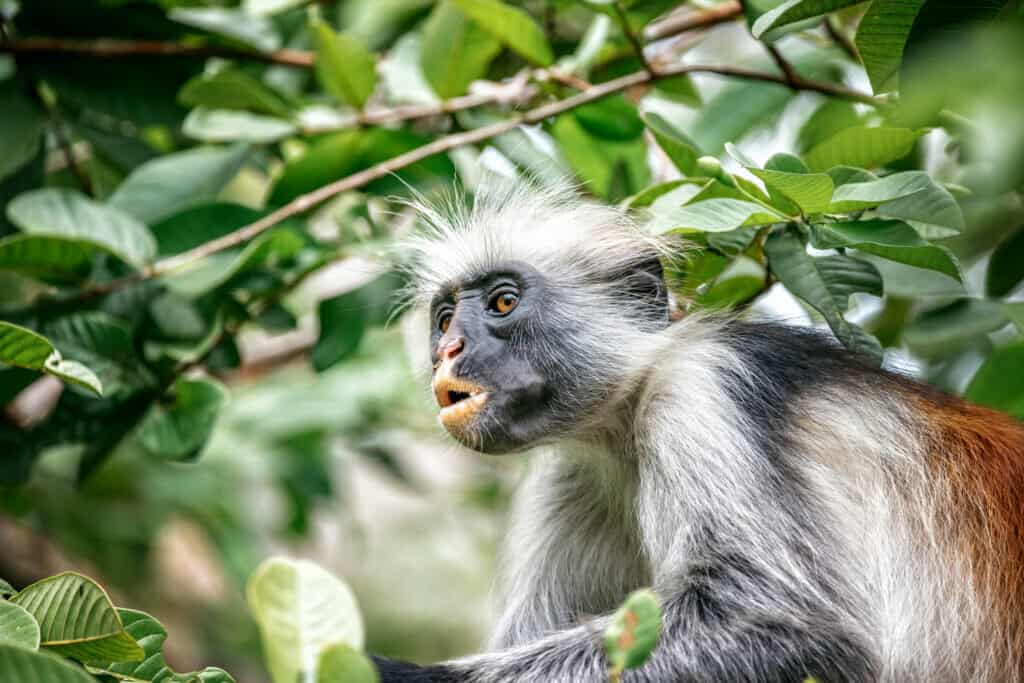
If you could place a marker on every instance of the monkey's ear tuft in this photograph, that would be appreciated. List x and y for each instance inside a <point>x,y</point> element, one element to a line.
<point>644,284</point>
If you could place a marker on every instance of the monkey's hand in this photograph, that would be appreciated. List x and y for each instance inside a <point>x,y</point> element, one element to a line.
<point>396,671</point>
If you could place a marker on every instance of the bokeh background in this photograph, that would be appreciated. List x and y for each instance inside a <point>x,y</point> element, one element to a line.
<point>326,446</point>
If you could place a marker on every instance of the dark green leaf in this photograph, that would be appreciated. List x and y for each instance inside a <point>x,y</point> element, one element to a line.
<point>735,110</point>
<point>831,117</point>
<point>24,348</point>
<point>792,11</point>
<point>611,118</point>
<point>345,318</point>
<point>512,26</point>
<point>56,260</point>
<point>683,151</point>
<point>997,383</point>
<point>938,333</point>
<point>1006,267</point>
<point>454,51</point>
<point>180,429</point>
<point>173,182</point>
<point>17,627</point>
<point>894,240</point>
<point>855,196</point>
<point>200,224</point>
<point>25,666</point>
<point>611,169</point>
<point>24,122</point>
<point>825,284</point>
<point>150,634</point>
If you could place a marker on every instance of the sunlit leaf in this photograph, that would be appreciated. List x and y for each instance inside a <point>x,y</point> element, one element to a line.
<point>861,147</point>
<point>864,195</point>
<point>809,191</point>
<point>77,620</point>
<point>634,630</point>
<point>340,663</point>
<point>997,383</point>
<point>221,125</point>
<point>714,215</point>
<point>345,67</point>
<point>512,26</point>
<point>455,51</point>
<point>683,151</point>
<point>894,240</point>
<point>23,348</point>
<point>231,88</point>
<point>257,32</point>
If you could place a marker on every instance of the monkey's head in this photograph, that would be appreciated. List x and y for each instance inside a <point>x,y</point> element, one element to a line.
<point>537,304</point>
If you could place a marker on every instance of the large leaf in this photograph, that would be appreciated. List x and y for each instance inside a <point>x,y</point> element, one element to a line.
<point>933,211</point>
<point>176,181</point>
<point>200,224</point>
<point>301,608</point>
<point>610,118</point>
<point>104,343</point>
<point>861,147</point>
<point>1006,267</point>
<point>997,383</point>
<point>345,67</point>
<point>512,26</point>
<point>58,212</point>
<point>339,663</point>
<point>257,32</point>
<point>612,169</point>
<point>865,195</point>
<point>894,240</point>
<point>23,348</point>
<point>683,151</point>
<point>735,110</point>
<point>232,88</point>
<point>24,122</point>
<point>811,192</point>
<point>77,620</point>
<point>714,215</point>
<point>150,635</point>
<point>454,51</point>
<point>938,333</point>
<point>221,125</point>
<point>20,665</point>
<point>345,318</point>
<point>179,429</point>
<point>17,626</point>
<point>825,284</point>
<point>56,260</point>
<point>831,117</point>
<point>792,11</point>
<point>881,37</point>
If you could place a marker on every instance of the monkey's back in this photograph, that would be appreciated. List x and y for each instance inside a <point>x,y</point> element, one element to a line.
<point>926,492</point>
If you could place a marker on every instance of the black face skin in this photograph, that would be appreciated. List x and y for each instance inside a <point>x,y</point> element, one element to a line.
<point>520,357</point>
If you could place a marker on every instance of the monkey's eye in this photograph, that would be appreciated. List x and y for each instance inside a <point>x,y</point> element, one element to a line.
<point>503,301</point>
<point>444,321</point>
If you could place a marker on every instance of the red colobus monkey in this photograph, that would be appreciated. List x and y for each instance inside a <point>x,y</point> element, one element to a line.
<point>800,512</point>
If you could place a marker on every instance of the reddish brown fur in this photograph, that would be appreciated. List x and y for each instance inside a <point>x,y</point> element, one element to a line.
<point>981,453</point>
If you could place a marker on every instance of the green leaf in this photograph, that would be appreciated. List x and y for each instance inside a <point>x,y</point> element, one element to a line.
<point>199,224</point>
<point>231,88</point>
<point>933,211</point>
<point>332,157</point>
<point>683,151</point>
<point>24,123</point>
<point>610,118</point>
<point>941,332</point>
<point>300,608</point>
<point>344,66</point>
<point>220,269</point>
<point>857,196</point>
<point>150,635</point>
<point>825,284</point>
<point>1006,267</point>
<point>862,147</point>
<point>20,665</point>
<point>104,343</point>
<point>880,39</point>
<point>257,32</point>
<point>831,117</point>
<point>180,429</point>
<point>512,26</point>
<point>809,191</point>
<point>17,626</point>
<point>219,125</point>
<point>339,663</point>
<point>77,620</point>
<point>844,175</point>
<point>633,632</point>
<point>173,182</point>
<point>997,383</point>
<point>55,260</point>
<point>344,319</point>
<point>741,280</point>
<point>894,240</point>
<point>454,51</point>
<point>6,589</point>
<point>24,348</point>
<point>679,89</point>
<point>735,110</point>
<point>612,169</point>
<point>58,212</point>
<point>714,215</point>
<point>792,11</point>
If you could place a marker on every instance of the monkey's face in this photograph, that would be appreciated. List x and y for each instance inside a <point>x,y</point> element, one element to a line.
<point>495,391</point>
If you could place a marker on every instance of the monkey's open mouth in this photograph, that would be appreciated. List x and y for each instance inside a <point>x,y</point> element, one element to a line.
<point>459,400</point>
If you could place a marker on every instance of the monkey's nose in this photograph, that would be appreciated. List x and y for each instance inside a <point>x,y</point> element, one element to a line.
<point>452,348</point>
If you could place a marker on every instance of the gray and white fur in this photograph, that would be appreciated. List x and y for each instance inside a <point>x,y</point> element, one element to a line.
<point>775,491</point>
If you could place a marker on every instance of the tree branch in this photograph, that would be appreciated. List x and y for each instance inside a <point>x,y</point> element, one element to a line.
<point>112,48</point>
<point>309,200</point>
<point>841,39</point>
<point>792,77</point>
<point>676,24</point>
<point>634,40</point>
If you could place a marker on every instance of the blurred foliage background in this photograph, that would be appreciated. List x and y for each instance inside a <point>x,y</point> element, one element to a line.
<point>200,365</point>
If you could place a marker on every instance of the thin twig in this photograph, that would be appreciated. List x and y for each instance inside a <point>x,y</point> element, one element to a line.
<point>112,48</point>
<point>631,36</point>
<point>68,152</point>
<point>681,23</point>
<point>841,39</point>
<point>793,79</point>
